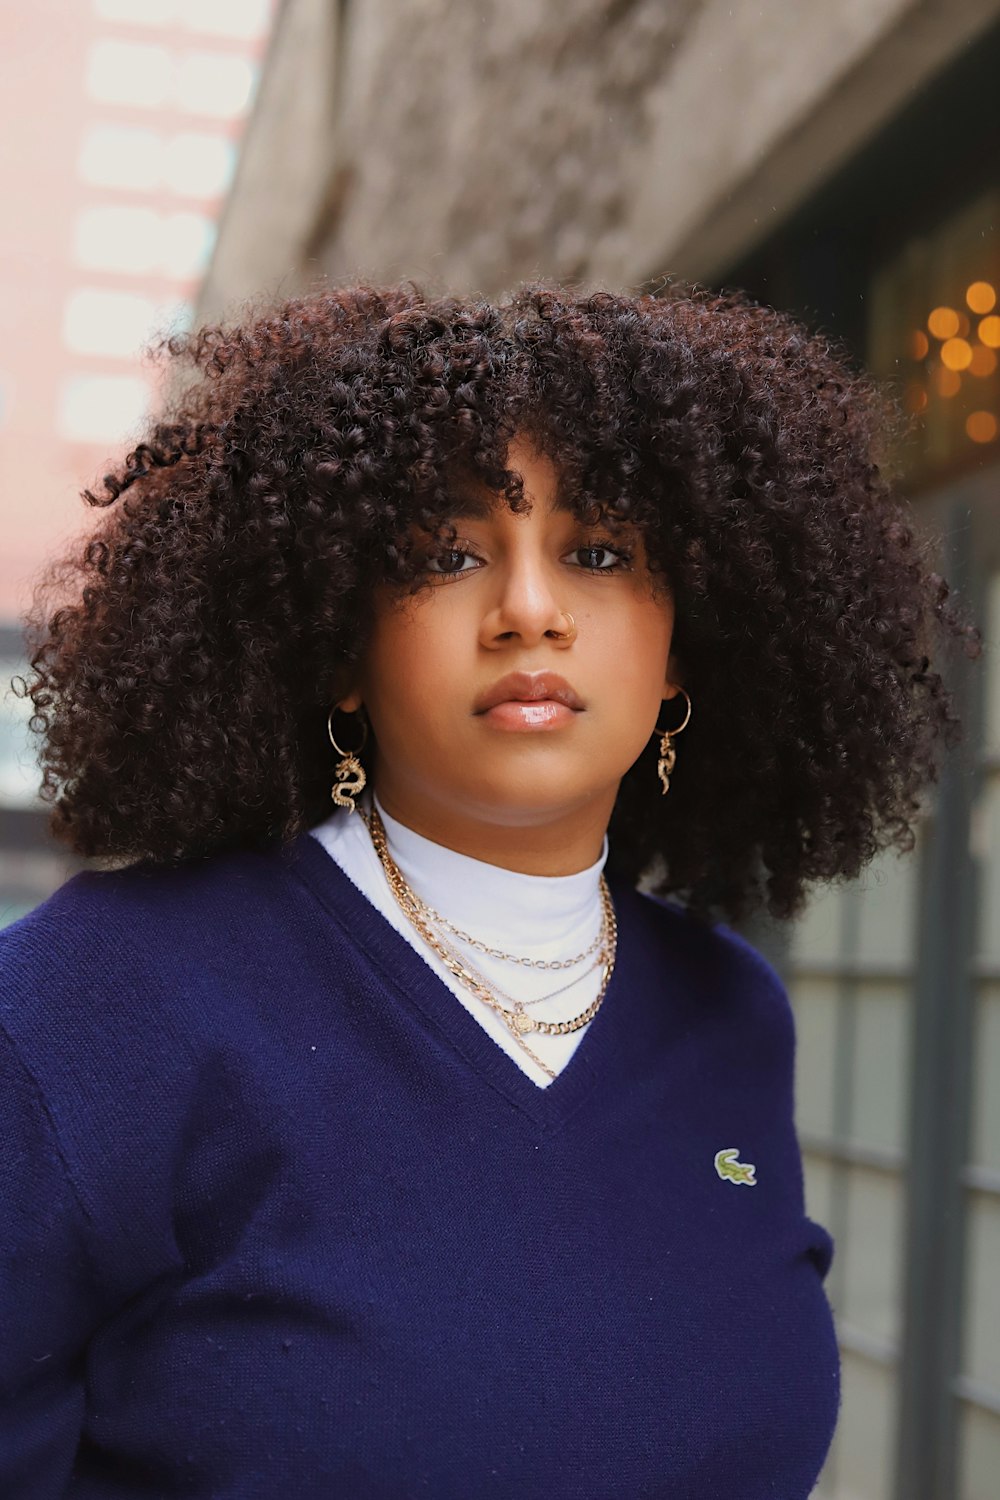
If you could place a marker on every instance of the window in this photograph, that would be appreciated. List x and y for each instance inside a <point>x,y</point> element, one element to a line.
<point>214,83</point>
<point>129,73</point>
<point>198,165</point>
<point>20,773</point>
<point>173,317</point>
<point>143,241</point>
<point>187,244</point>
<point>121,156</point>
<point>243,19</point>
<point>106,322</point>
<point>117,239</point>
<point>140,12</point>
<point>219,84</point>
<point>102,408</point>
<point>978,1379</point>
<point>192,163</point>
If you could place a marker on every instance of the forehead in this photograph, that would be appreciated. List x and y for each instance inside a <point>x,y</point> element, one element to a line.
<point>543,486</point>
<point>473,504</point>
<point>548,490</point>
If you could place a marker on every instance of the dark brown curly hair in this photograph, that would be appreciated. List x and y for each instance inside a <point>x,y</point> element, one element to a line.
<point>182,685</point>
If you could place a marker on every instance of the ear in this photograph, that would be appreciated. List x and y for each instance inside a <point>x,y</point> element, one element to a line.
<point>674,679</point>
<point>344,691</point>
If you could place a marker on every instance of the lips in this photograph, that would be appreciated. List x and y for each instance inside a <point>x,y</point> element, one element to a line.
<point>528,687</point>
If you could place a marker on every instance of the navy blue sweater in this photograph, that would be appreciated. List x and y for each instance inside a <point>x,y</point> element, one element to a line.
<point>279,1219</point>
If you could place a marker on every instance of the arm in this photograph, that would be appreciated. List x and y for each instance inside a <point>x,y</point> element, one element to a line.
<point>50,1297</point>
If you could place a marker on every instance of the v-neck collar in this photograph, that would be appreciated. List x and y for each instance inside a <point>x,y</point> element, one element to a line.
<point>596,1056</point>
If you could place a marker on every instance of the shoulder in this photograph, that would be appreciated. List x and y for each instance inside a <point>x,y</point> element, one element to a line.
<point>724,976</point>
<point>126,914</point>
<point>71,937</point>
<point>119,997</point>
<point>714,948</point>
<point>120,949</point>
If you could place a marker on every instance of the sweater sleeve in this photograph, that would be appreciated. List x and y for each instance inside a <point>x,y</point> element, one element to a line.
<point>50,1298</point>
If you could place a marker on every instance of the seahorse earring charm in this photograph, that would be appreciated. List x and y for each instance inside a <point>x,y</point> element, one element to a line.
<point>350,773</point>
<point>668,752</point>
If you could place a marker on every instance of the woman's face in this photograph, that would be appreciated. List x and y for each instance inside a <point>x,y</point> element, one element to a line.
<point>489,624</point>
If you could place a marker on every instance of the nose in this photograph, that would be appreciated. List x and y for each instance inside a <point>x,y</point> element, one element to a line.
<point>526,607</point>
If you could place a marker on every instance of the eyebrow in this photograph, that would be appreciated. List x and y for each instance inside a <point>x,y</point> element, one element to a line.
<point>470,505</point>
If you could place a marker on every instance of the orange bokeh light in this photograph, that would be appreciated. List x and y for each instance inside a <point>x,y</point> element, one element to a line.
<point>956,354</point>
<point>984,361</point>
<point>915,397</point>
<point>943,322</point>
<point>946,382</point>
<point>981,297</point>
<point>989,332</point>
<point>919,344</point>
<point>981,426</point>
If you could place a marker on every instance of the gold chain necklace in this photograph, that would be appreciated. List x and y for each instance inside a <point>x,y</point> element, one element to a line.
<point>517,1019</point>
<point>512,958</point>
<point>570,984</point>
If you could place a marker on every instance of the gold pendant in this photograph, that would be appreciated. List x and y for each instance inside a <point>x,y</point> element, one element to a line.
<point>350,780</point>
<point>666,762</point>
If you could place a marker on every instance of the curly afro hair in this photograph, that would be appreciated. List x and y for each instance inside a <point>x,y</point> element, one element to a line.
<point>181,687</point>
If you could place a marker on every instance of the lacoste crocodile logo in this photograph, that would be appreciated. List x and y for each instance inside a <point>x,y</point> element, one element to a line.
<point>732,1170</point>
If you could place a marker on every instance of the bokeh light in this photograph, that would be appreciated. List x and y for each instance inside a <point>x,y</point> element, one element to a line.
<point>981,297</point>
<point>956,354</point>
<point>981,426</point>
<point>915,397</point>
<point>944,322</point>
<point>946,382</point>
<point>984,361</point>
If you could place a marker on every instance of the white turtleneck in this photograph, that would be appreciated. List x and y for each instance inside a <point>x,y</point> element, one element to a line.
<point>534,916</point>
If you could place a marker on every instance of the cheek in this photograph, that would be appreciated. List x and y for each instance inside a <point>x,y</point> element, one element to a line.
<point>407,671</point>
<point>636,651</point>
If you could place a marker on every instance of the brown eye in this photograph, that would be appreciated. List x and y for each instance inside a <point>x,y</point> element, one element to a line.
<point>600,558</point>
<point>451,562</point>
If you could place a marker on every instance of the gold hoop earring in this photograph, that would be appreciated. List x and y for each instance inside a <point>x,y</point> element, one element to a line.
<point>350,772</point>
<point>566,635</point>
<point>668,754</point>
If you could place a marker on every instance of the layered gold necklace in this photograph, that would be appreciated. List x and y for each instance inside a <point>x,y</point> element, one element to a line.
<point>425,919</point>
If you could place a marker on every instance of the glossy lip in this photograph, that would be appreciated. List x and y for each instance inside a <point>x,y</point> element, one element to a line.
<point>519,717</point>
<point>528,687</point>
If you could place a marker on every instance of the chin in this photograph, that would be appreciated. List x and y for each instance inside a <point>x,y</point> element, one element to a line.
<point>531,796</point>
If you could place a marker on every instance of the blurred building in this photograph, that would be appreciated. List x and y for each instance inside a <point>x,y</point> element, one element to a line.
<point>121,120</point>
<point>840,162</point>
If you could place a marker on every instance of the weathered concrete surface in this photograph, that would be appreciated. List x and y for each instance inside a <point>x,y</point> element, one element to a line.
<point>283,163</point>
<point>473,143</point>
<point>778,108</point>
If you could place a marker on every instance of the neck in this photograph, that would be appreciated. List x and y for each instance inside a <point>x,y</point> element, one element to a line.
<point>561,844</point>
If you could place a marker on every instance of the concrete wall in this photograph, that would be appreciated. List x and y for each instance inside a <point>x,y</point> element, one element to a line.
<point>472,143</point>
<point>286,154</point>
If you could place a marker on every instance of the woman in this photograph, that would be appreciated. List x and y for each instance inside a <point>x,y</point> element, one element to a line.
<point>368,1132</point>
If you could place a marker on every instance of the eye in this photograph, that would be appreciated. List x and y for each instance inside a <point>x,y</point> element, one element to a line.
<point>451,561</point>
<point>601,557</point>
